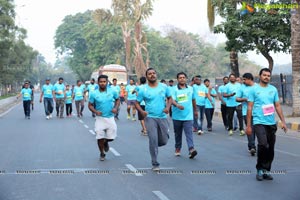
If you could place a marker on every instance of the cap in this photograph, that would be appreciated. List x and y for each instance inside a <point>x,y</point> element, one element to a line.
<point>47,79</point>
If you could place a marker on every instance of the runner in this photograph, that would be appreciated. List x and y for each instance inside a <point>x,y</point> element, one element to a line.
<point>230,91</point>
<point>262,104</point>
<point>242,96</point>
<point>156,109</point>
<point>91,88</point>
<point>122,93</point>
<point>59,97</point>
<point>131,99</point>
<point>201,93</point>
<point>209,104</point>
<point>142,104</point>
<point>68,101</point>
<point>26,93</point>
<point>48,98</point>
<point>117,88</point>
<point>183,106</point>
<point>223,102</point>
<point>79,97</point>
<point>107,103</point>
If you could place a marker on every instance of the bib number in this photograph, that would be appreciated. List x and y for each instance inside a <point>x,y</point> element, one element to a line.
<point>268,109</point>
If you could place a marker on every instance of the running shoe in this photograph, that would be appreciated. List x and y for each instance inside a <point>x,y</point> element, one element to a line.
<point>47,117</point>
<point>259,175</point>
<point>242,133</point>
<point>50,116</point>
<point>209,129</point>
<point>252,151</point>
<point>193,153</point>
<point>133,119</point>
<point>200,132</point>
<point>128,117</point>
<point>230,133</point>
<point>102,156</point>
<point>267,176</point>
<point>177,152</point>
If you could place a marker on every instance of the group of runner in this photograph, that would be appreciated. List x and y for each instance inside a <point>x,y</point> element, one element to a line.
<point>255,103</point>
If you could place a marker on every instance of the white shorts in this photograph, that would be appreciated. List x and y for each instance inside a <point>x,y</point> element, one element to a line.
<point>105,128</point>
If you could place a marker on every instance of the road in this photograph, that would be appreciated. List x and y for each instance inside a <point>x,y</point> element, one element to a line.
<point>58,159</point>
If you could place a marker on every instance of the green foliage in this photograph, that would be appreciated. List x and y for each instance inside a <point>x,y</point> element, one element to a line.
<point>263,30</point>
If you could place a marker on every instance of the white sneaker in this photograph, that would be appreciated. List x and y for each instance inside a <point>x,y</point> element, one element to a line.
<point>50,116</point>
<point>47,117</point>
<point>200,132</point>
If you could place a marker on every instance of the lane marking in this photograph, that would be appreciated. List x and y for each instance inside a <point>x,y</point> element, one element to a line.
<point>277,150</point>
<point>86,126</point>
<point>160,195</point>
<point>114,151</point>
<point>133,169</point>
<point>92,132</point>
<point>80,121</point>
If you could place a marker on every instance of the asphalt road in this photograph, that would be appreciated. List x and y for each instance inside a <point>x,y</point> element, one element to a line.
<point>58,159</point>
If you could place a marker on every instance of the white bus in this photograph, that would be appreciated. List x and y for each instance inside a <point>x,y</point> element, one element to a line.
<point>112,71</point>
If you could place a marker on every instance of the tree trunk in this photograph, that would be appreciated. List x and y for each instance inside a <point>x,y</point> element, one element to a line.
<point>269,59</point>
<point>139,64</point>
<point>127,42</point>
<point>295,43</point>
<point>234,63</point>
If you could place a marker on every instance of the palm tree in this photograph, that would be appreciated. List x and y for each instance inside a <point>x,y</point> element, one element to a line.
<point>295,43</point>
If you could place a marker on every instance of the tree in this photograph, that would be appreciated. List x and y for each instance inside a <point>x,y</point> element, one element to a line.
<point>295,43</point>
<point>262,30</point>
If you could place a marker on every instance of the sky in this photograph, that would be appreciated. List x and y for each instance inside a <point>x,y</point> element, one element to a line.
<point>42,17</point>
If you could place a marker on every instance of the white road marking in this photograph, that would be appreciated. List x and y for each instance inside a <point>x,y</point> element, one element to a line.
<point>80,121</point>
<point>86,126</point>
<point>133,169</point>
<point>114,151</point>
<point>92,132</point>
<point>160,195</point>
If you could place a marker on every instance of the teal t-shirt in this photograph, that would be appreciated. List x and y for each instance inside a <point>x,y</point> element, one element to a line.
<point>229,89</point>
<point>47,90</point>
<point>243,92</point>
<point>129,89</point>
<point>138,88</point>
<point>60,88</point>
<point>104,101</point>
<point>78,93</point>
<point>263,99</point>
<point>26,94</point>
<point>155,99</point>
<point>68,97</point>
<point>207,102</point>
<point>183,97</point>
<point>91,88</point>
<point>200,92</point>
<point>116,88</point>
<point>221,92</point>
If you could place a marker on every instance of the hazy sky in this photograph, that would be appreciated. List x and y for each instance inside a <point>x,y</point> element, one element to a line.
<point>42,17</point>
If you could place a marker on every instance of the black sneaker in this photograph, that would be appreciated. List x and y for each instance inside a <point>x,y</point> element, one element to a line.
<point>267,176</point>
<point>102,156</point>
<point>106,146</point>
<point>252,152</point>
<point>193,153</point>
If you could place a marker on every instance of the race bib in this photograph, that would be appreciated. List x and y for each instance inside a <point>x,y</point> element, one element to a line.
<point>78,94</point>
<point>182,98</point>
<point>48,91</point>
<point>201,94</point>
<point>60,92</point>
<point>268,109</point>
<point>26,95</point>
<point>69,97</point>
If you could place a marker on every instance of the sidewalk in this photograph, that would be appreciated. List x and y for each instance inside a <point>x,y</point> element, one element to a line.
<point>293,123</point>
<point>6,104</point>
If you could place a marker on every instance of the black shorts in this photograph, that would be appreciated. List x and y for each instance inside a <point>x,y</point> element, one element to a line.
<point>140,117</point>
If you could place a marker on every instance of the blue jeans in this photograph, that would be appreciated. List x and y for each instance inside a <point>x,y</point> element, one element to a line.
<point>48,105</point>
<point>197,126</point>
<point>209,113</point>
<point>179,126</point>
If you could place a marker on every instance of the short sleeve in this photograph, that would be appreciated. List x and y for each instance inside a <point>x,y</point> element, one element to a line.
<point>92,98</point>
<point>140,96</point>
<point>251,96</point>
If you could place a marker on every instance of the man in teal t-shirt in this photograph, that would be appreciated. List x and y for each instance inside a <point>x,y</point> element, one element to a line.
<point>26,96</point>
<point>59,97</point>
<point>209,104</point>
<point>130,96</point>
<point>184,108</point>
<point>117,88</point>
<point>47,93</point>
<point>223,102</point>
<point>104,102</point>
<point>92,87</point>
<point>79,97</point>
<point>158,100</point>
<point>262,104</point>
